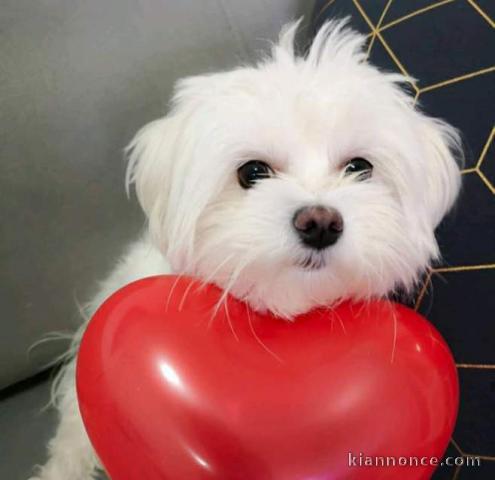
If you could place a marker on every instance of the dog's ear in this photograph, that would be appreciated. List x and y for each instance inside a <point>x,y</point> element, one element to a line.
<point>160,159</point>
<point>444,158</point>
<point>149,163</point>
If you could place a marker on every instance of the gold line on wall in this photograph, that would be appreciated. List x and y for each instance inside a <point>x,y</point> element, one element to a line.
<point>398,63</point>
<point>456,446</point>
<point>363,14</point>
<point>413,14</point>
<point>325,7</point>
<point>481,12</point>
<point>486,181</point>
<point>485,148</point>
<point>464,268</point>
<point>382,16</point>
<point>385,44</point>
<point>479,366</point>
<point>422,292</point>
<point>460,78</point>
<point>487,458</point>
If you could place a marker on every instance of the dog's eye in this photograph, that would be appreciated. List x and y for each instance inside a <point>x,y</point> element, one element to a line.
<point>361,166</point>
<point>252,171</point>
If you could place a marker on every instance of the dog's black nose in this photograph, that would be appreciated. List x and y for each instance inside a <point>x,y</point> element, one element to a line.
<point>318,227</point>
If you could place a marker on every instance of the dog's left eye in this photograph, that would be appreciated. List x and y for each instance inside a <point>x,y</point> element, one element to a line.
<point>359,165</point>
<point>252,171</point>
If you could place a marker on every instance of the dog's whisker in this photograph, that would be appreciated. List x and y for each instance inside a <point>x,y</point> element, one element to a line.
<point>394,343</point>
<point>185,294</point>
<point>209,278</point>
<point>229,320</point>
<point>170,295</point>
<point>228,286</point>
<point>258,339</point>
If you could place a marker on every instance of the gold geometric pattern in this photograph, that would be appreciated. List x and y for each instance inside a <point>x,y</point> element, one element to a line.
<point>441,270</point>
<point>477,168</point>
<point>375,35</point>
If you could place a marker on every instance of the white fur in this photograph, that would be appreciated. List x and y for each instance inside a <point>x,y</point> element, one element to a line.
<point>305,116</point>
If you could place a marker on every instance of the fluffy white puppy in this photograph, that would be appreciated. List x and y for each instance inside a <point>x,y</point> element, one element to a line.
<point>293,183</point>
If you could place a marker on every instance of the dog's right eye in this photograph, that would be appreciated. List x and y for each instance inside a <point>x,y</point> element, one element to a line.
<point>359,165</point>
<point>252,171</point>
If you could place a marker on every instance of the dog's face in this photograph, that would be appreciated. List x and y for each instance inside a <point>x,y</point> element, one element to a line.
<point>299,181</point>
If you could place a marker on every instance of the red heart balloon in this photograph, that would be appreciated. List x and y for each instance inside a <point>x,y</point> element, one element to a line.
<point>169,389</point>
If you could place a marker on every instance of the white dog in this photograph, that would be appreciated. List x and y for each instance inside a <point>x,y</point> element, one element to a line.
<point>293,183</point>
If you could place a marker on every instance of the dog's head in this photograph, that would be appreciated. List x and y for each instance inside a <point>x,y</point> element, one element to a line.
<point>299,181</point>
